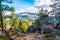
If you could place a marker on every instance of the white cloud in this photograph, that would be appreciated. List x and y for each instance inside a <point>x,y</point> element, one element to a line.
<point>19,11</point>
<point>7,12</point>
<point>31,9</point>
<point>42,2</point>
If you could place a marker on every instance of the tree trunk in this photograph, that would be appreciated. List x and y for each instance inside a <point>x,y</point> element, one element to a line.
<point>1,18</point>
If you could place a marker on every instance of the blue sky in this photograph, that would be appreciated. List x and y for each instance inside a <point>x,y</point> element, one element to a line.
<point>29,5</point>
<point>22,4</point>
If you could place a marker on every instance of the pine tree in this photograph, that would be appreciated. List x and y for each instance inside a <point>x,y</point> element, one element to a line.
<point>2,8</point>
<point>56,10</point>
<point>55,6</point>
<point>41,14</point>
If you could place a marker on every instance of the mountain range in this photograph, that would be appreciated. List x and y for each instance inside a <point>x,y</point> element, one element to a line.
<point>27,15</point>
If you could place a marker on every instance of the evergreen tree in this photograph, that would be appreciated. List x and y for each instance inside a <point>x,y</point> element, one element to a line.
<point>56,10</point>
<point>2,8</point>
<point>41,14</point>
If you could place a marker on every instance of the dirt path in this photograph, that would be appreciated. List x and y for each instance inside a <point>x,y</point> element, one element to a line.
<point>32,36</point>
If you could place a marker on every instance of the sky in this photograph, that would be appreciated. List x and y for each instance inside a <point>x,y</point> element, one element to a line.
<point>22,4</point>
<point>29,5</point>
